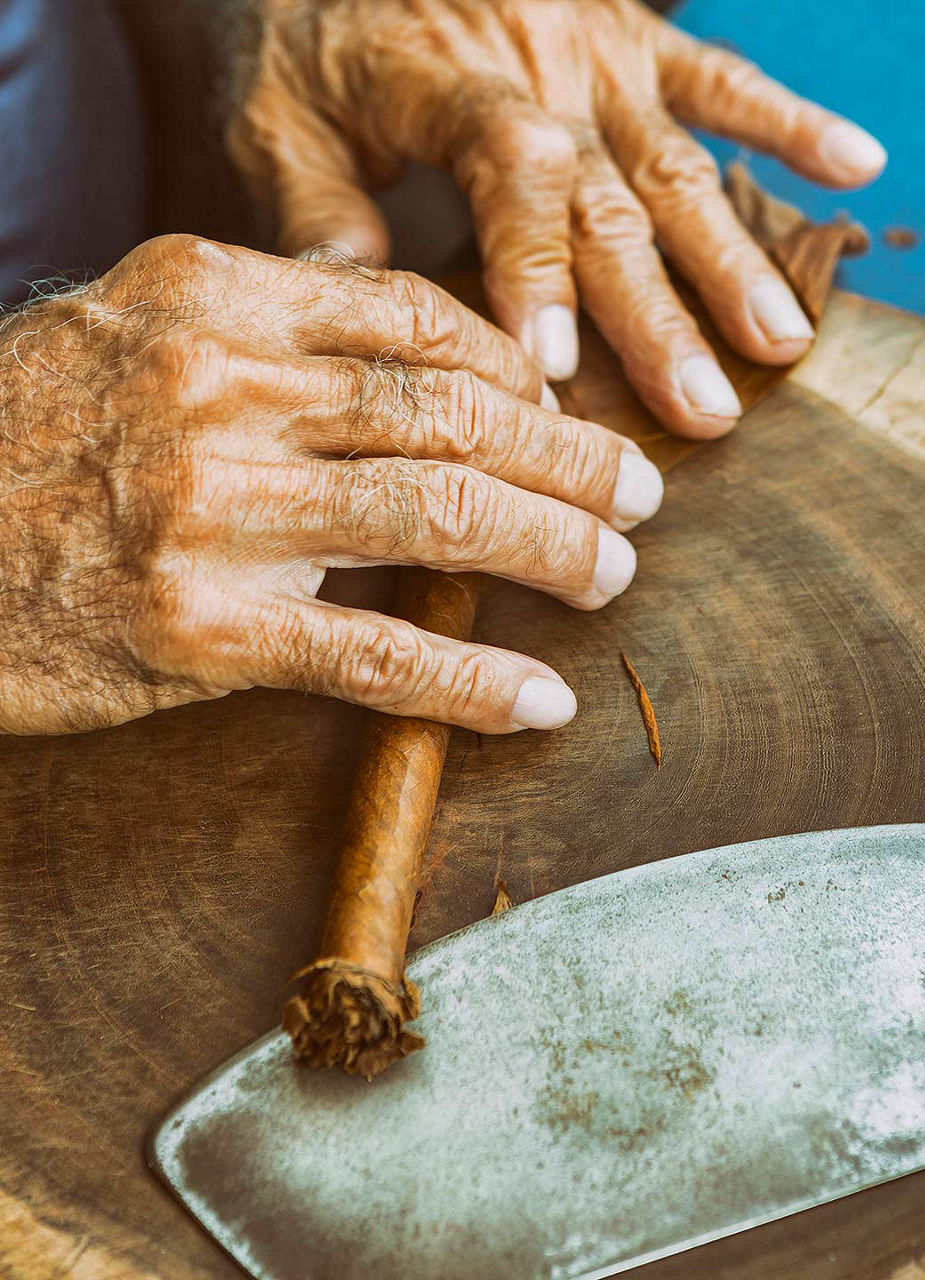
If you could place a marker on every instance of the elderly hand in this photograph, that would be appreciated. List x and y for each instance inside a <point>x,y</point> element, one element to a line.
<point>192,440</point>
<point>560,119</point>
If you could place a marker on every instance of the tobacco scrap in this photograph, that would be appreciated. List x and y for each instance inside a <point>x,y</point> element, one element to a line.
<point>900,238</point>
<point>503,900</point>
<point>806,252</point>
<point>648,713</point>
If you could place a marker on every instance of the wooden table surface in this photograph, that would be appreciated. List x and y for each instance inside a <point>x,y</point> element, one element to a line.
<point>161,880</point>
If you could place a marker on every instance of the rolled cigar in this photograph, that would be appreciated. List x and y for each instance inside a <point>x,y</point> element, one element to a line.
<point>354,999</point>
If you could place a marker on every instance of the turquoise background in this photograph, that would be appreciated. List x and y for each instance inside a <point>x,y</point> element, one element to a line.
<point>866,61</point>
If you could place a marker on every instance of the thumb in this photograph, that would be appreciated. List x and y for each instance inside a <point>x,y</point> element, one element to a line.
<point>305,169</point>
<point>320,206</point>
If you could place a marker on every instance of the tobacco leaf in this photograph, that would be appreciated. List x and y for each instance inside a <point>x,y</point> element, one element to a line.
<point>503,900</point>
<point>648,712</point>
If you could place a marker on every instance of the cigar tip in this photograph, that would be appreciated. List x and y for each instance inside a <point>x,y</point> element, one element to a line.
<point>349,1018</point>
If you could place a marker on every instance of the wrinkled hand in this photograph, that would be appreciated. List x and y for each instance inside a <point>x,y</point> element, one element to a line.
<point>560,119</point>
<point>191,441</point>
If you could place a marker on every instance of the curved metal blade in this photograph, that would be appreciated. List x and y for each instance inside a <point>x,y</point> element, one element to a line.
<point>615,1072</point>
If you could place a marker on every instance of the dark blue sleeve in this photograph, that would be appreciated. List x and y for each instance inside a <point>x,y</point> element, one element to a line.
<point>72,142</point>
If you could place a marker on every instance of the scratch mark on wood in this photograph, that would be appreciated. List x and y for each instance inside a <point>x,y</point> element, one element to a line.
<point>904,364</point>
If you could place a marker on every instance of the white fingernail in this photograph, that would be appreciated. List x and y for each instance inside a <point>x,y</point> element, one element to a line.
<point>849,147</point>
<point>707,388</point>
<point>549,399</point>
<point>615,565</point>
<point>778,312</point>
<point>543,703</point>
<point>555,341</point>
<point>639,490</point>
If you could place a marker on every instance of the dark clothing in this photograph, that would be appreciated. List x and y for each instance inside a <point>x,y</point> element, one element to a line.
<point>184,49</point>
<point>72,149</point>
<point>111,131</point>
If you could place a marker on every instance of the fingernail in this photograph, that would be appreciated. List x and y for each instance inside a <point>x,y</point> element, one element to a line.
<point>543,703</point>
<point>640,488</point>
<point>549,399</point>
<point>616,563</point>
<point>778,312</point>
<point>555,341</point>
<point>328,251</point>
<point>850,147</point>
<point>708,389</point>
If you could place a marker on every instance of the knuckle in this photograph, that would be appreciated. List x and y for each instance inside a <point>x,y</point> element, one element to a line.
<point>200,372</point>
<point>579,461</point>
<point>191,253</point>
<point>348,391</point>
<point>381,508</point>
<point>170,272</point>
<point>467,411</point>
<point>472,679</point>
<point>183,264</point>
<point>728,75</point>
<point>538,142</point>
<point>675,171</point>
<point>385,662</point>
<point>399,398</point>
<point>186,370</point>
<point>613,216</point>
<point>422,309</point>
<point>458,515</point>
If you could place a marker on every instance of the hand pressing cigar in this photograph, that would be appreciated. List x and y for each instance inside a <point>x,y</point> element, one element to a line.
<point>193,439</point>
<point>355,1001</point>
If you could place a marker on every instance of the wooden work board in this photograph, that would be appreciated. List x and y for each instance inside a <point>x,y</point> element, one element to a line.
<point>161,880</point>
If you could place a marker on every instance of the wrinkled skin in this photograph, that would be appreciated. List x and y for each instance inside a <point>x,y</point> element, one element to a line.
<point>188,444</point>
<point>562,120</point>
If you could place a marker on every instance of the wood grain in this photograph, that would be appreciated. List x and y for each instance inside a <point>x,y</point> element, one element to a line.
<point>160,880</point>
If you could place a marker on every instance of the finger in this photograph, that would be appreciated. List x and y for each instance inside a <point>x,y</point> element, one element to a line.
<point>324,309</point>
<point>386,663</point>
<point>356,408</point>
<point>627,293</point>
<point>696,226</point>
<point>444,516</point>
<point>319,201</point>
<point>717,90</point>
<point>400,315</point>
<point>517,166</point>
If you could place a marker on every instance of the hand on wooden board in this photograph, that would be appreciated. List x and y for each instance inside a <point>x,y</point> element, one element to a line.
<point>192,440</point>
<point>563,121</point>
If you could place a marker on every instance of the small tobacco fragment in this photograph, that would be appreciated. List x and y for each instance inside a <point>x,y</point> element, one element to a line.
<point>645,706</point>
<point>900,238</point>
<point>503,901</point>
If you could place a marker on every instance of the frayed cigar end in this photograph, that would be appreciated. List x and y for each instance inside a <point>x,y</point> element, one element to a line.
<point>350,1018</point>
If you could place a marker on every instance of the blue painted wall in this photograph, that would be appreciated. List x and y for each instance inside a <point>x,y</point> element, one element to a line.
<point>865,60</point>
